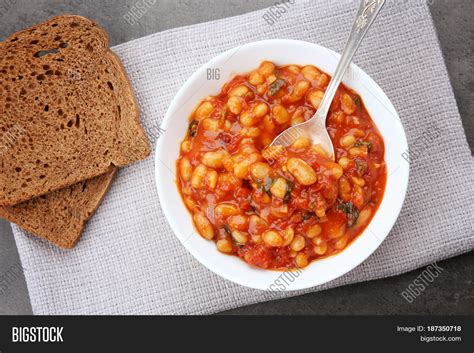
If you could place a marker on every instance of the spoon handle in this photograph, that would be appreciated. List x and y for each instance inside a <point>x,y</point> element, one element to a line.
<point>366,15</point>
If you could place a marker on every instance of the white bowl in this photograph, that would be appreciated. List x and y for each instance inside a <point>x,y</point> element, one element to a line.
<point>241,60</point>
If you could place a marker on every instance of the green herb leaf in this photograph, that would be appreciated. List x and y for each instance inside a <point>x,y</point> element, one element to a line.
<point>361,167</point>
<point>357,100</point>
<point>369,146</point>
<point>276,86</point>
<point>267,185</point>
<point>308,215</point>
<point>289,188</point>
<point>352,212</point>
<point>192,129</point>
<point>361,143</point>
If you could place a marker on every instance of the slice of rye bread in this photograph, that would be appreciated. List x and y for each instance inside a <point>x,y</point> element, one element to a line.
<point>67,110</point>
<point>61,215</point>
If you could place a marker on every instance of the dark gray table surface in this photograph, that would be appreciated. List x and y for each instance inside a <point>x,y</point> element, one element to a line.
<point>451,293</point>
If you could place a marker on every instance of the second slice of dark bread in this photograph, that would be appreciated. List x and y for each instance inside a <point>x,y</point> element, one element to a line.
<point>67,110</point>
<point>61,215</point>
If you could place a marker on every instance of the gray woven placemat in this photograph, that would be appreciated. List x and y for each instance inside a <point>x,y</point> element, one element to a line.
<point>129,261</point>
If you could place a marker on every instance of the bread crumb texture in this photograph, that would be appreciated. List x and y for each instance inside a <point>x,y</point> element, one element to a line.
<point>67,110</point>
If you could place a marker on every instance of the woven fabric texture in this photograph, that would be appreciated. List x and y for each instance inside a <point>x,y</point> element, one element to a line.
<point>130,262</point>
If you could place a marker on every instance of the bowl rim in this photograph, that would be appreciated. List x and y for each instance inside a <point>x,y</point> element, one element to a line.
<point>200,256</point>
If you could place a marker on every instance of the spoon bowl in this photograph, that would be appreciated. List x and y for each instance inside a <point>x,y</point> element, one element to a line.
<point>314,129</point>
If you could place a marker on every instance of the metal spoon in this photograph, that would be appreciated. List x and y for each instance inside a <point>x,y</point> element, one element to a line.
<point>315,128</point>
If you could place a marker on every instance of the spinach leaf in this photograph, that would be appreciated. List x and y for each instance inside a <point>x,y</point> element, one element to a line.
<point>289,188</point>
<point>192,129</point>
<point>357,100</point>
<point>361,143</point>
<point>267,185</point>
<point>361,167</point>
<point>352,212</point>
<point>308,215</point>
<point>276,86</point>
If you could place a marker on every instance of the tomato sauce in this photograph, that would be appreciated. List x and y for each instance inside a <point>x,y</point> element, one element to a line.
<point>280,208</point>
